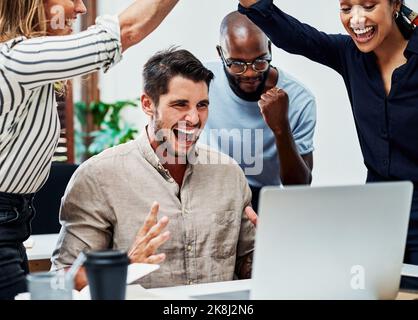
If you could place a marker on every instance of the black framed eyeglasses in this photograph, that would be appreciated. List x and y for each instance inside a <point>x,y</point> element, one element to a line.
<point>240,67</point>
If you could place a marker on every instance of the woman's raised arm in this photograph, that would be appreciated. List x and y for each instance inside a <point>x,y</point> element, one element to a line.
<point>141,18</point>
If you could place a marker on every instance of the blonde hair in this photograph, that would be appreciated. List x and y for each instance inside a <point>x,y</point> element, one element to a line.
<point>25,18</point>
<point>22,18</point>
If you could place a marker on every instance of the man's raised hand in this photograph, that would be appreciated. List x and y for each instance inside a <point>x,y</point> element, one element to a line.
<point>149,238</point>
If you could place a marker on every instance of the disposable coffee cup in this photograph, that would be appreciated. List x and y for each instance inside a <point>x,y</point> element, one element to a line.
<point>52,285</point>
<point>107,272</point>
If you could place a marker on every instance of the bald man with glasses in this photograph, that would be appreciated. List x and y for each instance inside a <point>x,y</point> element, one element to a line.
<point>259,115</point>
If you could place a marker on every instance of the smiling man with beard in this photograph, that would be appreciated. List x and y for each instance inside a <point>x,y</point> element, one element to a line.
<point>209,236</point>
<point>260,115</point>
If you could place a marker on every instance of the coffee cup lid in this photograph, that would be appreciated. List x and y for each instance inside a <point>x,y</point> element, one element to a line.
<point>107,257</point>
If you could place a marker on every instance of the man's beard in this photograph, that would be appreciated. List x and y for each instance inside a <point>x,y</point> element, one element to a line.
<point>247,96</point>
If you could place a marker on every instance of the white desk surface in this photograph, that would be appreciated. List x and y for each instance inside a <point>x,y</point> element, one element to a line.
<point>189,292</point>
<point>185,292</point>
<point>136,292</point>
<point>42,246</point>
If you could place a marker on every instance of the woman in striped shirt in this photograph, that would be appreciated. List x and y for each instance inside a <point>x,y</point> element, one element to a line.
<point>37,51</point>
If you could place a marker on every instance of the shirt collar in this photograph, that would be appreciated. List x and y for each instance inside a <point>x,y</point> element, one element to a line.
<point>147,151</point>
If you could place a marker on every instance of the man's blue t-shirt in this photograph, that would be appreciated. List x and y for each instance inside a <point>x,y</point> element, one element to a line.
<point>237,128</point>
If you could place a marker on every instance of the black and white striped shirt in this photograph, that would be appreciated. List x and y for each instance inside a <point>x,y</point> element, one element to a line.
<point>29,124</point>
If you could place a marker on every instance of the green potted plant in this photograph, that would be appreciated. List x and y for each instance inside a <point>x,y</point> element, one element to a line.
<point>111,128</point>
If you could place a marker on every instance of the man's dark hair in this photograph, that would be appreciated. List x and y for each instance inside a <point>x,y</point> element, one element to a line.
<point>165,65</point>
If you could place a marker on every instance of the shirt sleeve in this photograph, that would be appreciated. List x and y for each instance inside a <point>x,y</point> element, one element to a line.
<point>304,129</point>
<point>295,37</point>
<point>86,222</point>
<point>38,61</point>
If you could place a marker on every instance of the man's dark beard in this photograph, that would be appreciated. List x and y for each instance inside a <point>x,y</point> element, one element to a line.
<point>247,96</point>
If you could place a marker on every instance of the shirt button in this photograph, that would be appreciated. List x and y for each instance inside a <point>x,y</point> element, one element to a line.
<point>190,282</point>
<point>189,248</point>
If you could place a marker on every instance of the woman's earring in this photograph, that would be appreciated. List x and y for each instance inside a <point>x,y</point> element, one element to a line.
<point>396,15</point>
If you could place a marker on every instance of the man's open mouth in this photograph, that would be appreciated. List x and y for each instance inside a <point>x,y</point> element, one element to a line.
<point>187,136</point>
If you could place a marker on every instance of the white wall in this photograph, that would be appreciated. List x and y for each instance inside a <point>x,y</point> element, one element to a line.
<point>194,25</point>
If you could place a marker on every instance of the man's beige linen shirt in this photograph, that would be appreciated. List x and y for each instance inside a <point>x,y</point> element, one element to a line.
<point>109,196</point>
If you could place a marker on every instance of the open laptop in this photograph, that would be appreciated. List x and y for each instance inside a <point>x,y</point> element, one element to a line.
<point>344,242</point>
